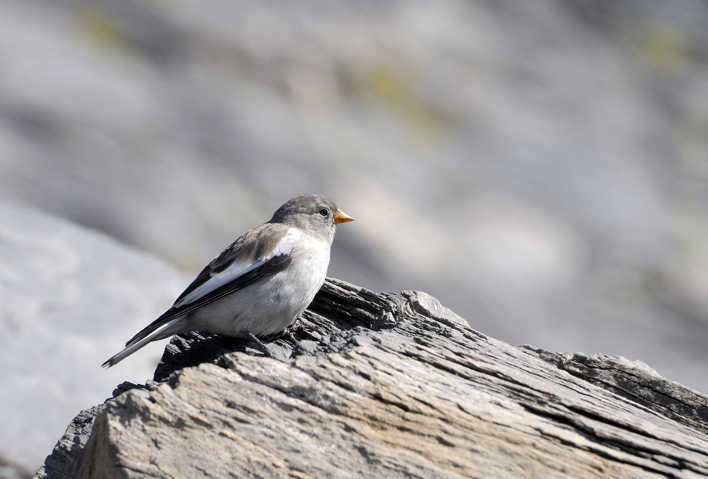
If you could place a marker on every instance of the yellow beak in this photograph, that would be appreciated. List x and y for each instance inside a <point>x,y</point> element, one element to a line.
<point>341,217</point>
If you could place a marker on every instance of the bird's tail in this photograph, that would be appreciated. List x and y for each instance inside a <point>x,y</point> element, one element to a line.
<point>165,330</point>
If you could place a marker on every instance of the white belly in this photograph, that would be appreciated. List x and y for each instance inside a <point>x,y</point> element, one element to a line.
<point>270,305</point>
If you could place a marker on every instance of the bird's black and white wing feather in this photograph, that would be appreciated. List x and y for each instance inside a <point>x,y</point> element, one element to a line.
<point>260,253</point>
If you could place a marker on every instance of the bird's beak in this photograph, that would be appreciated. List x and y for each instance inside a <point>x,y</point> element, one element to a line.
<point>341,217</point>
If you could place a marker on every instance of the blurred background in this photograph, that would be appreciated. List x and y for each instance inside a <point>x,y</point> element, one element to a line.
<point>539,167</point>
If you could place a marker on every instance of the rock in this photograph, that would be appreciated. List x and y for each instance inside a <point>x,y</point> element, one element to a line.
<point>69,297</point>
<point>387,385</point>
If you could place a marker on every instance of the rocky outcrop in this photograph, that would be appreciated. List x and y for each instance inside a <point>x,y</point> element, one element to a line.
<point>387,385</point>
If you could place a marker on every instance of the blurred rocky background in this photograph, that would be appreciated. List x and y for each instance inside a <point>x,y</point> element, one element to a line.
<point>540,167</point>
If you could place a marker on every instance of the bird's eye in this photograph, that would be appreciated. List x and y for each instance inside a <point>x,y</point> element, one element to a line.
<point>324,212</point>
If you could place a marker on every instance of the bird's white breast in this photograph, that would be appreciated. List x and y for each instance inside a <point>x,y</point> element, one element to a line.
<point>270,305</point>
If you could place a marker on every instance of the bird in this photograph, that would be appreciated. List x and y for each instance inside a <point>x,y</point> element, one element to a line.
<point>260,284</point>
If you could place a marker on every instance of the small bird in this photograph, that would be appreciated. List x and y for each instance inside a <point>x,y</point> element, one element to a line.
<point>260,284</point>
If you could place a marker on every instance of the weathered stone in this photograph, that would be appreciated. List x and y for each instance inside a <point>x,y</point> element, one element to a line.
<point>395,386</point>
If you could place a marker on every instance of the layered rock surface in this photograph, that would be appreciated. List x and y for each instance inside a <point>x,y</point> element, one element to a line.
<point>387,385</point>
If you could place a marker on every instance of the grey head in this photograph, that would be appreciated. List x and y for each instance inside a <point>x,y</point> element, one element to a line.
<point>315,214</point>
